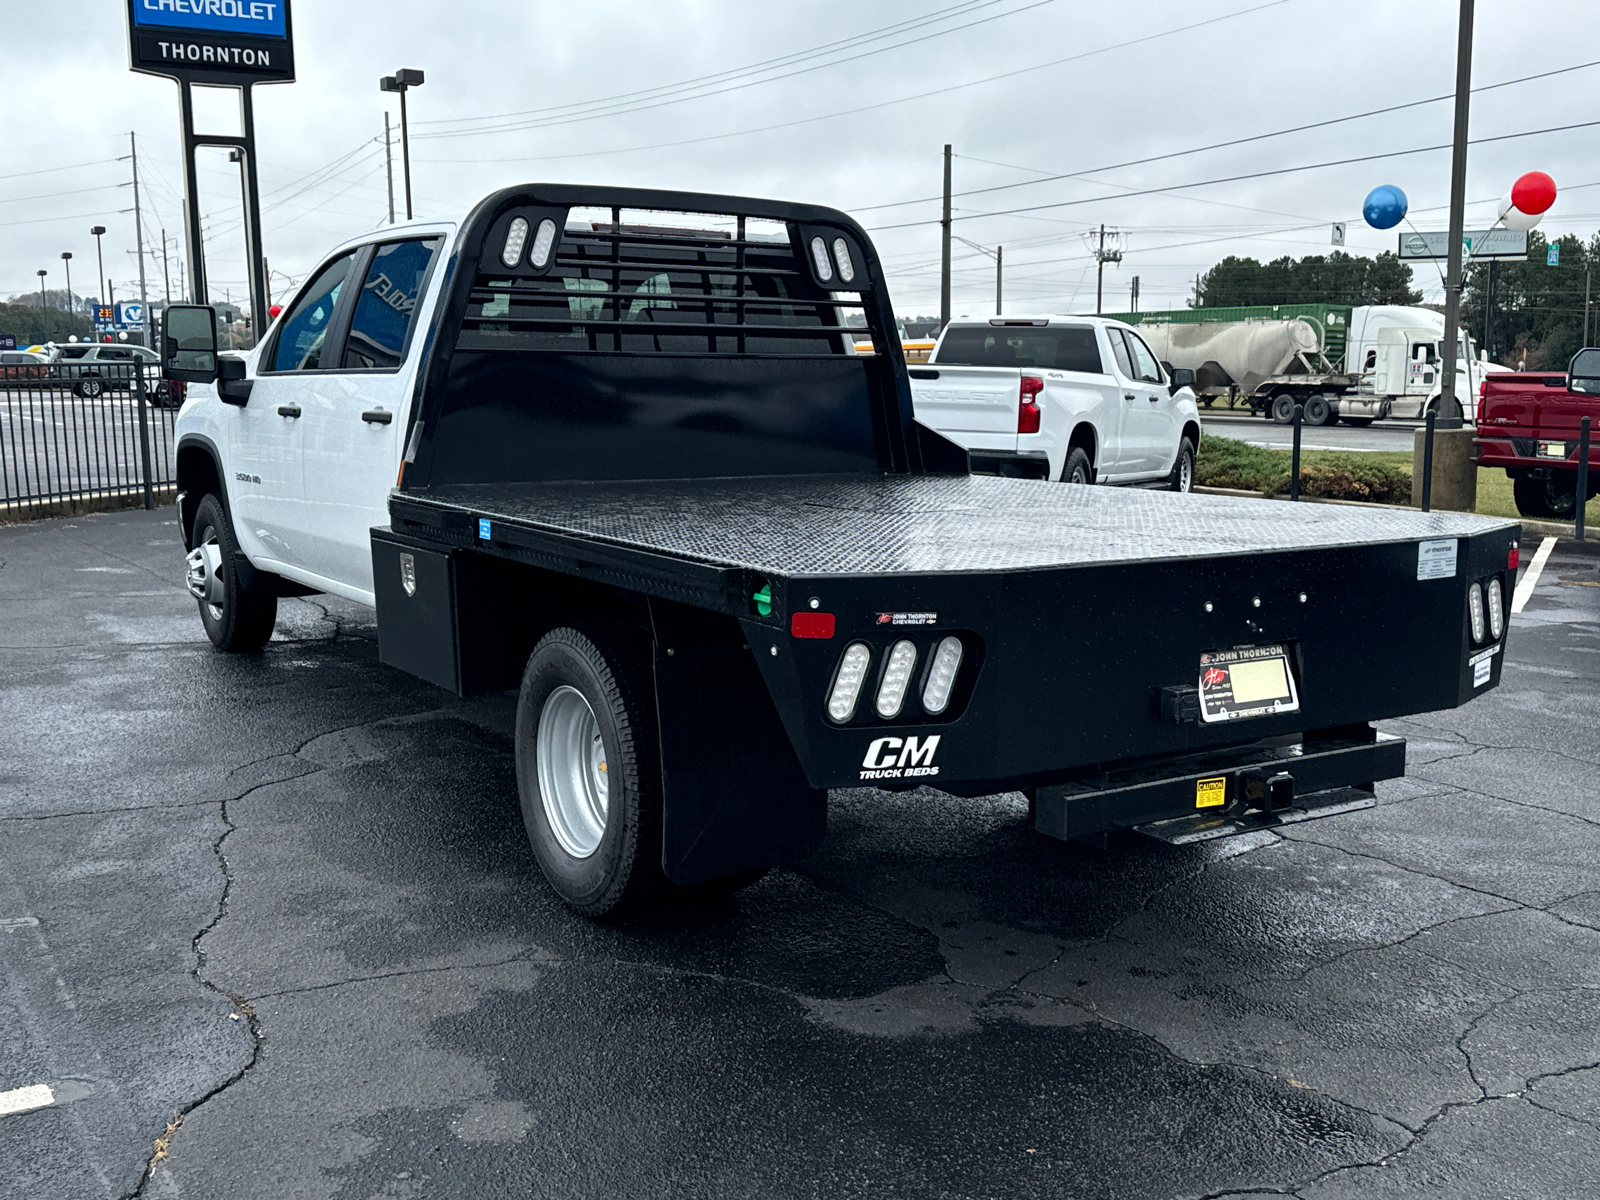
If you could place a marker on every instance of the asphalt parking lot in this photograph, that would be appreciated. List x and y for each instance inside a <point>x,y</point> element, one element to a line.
<point>270,927</point>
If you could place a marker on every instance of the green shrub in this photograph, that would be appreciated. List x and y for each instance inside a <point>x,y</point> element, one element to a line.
<point>1224,463</point>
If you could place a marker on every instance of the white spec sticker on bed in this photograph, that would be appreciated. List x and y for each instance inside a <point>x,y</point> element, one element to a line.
<point>1436,559</point>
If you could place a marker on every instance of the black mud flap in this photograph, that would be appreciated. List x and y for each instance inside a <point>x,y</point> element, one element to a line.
<point>734,795</point>
<point>1221,793</point>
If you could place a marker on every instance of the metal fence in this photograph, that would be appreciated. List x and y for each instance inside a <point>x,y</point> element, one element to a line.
<point>75,434</point>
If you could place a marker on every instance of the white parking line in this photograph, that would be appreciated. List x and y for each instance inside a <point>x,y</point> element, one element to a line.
<point>1530,577</point>
<point>25,1099</point>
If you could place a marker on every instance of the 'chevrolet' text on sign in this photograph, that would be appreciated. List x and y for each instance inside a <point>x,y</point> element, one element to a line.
<point>263,18</point>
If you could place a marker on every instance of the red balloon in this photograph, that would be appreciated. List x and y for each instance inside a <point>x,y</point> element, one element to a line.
<point>275,309</point>
<point>1533,193</point>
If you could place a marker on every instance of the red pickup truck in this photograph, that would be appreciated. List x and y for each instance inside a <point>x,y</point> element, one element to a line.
<point>1528,423</point>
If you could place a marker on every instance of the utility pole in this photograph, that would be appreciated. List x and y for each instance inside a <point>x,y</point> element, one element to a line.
<point>138,240</point>
<point>1587,273</point>
<point>41,273</point>
<point>388,163</point>
<point>1197,291</point>
<point>166,272</point>
<point>999,275</point>
<point>944,248</point>
<point>1133,295</point>
<point>1102,257</point>
<point>400,81</point>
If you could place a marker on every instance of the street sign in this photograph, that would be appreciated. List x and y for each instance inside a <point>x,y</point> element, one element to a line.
<point>1478,246</point>
<point>230,42</point>
<point>1552,256</point>
<point>1338,233</point>
<point>105,317</point>
<point>8,341</point>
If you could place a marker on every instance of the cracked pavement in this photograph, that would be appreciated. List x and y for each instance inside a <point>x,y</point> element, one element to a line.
<point>270,927</point>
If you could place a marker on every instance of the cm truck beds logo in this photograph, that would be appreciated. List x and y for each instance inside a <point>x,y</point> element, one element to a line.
<point>900,758</point>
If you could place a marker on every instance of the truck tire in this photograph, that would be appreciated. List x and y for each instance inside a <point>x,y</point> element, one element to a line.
<point>1282,409</point>
<point>88,387</point>
<point>587,776</point>
<point>235,620</point>
<point>1077,468</point>
<point>1182,477</point>
<point>1551,497</point>
<point>1317,412</point>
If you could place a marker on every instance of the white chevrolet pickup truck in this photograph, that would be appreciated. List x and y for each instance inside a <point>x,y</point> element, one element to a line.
<point>1075,399</point>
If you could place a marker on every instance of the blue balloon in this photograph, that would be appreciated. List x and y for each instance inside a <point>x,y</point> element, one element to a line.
<point>1385,207</point>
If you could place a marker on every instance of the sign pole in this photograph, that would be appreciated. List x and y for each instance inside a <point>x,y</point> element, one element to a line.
<point>194,244</point>
<point>1449,405</point>
<point>255,255</point>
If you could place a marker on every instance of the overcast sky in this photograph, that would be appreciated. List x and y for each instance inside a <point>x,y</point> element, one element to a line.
<point>514,91</point>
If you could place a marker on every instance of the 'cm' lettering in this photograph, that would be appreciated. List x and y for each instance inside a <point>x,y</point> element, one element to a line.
<point>900,752</point>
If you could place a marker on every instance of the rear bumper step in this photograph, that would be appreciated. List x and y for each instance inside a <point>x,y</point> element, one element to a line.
<point>1221,793</point>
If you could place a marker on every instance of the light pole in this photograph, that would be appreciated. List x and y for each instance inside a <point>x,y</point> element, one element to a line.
<point>399,82</point>
<point>66,259</point>
<point>41,273</point>
<point>100,258</point>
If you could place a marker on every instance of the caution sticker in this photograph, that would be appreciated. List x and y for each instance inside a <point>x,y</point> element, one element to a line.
<point>1210,793</point>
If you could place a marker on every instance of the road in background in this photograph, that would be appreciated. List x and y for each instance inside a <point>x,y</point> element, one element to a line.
<point>1258,431</point>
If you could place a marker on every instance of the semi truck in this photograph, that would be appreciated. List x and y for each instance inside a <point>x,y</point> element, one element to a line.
<point>1340,362</point>
<point>614,451</point>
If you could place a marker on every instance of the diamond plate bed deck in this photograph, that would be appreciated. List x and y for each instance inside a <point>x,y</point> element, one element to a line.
<point>799,526</point>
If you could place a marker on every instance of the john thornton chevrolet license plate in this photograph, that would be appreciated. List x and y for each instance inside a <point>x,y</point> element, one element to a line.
<point>1552,449</point>
<point>1252,681</point>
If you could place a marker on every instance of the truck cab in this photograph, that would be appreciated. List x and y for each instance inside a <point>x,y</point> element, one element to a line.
<point>1397,351</point>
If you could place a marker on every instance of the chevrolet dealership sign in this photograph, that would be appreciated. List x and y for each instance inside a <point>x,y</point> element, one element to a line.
<point>212,41</point>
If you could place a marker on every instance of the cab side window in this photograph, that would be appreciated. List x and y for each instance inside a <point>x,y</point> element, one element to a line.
<point>387,307</point>
<point>305,330</point>
<point>1149,369</point>
<point>1119,351</point>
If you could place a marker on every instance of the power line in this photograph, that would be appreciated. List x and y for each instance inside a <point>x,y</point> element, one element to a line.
<point>1338,162</point>
<point>1137,162</point>
<point>550,122</point>
<point>848,112</point>
<point>733,73</point>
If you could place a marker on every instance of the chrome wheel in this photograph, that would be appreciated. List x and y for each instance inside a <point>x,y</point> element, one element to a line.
<point>204,573</point>
<point>573,782</point>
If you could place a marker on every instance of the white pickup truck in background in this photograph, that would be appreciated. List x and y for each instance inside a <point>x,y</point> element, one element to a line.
<point>1075,399</point>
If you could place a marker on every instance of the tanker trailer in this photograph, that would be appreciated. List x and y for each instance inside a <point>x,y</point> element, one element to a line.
<point>1273,363</point>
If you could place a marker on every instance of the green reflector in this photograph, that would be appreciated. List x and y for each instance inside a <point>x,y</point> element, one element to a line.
<point>763,600</point>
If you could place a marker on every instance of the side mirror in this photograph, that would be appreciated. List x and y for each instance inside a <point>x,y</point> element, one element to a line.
<point>1583,372</point>
<point>189,343</point>
<point>1179,377</point>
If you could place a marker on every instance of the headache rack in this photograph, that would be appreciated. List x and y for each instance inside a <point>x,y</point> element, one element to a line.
<point>620,286</point>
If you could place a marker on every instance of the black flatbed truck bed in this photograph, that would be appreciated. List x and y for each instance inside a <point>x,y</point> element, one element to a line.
<point>532,498</point>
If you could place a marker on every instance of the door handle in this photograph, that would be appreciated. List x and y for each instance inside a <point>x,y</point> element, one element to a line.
<point>1127,395</point>
<point>377,416</point>
<point>288,410</point>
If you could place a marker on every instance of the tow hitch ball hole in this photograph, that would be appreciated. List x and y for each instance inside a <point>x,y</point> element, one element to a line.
<point>1269,792</point>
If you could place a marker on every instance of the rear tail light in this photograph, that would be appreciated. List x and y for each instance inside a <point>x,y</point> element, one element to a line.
<point>819,256</point>
<point>896,679</point>
<point>1475,610</point>
<point>1027,407</point>
<point>1483,396</point>
<point>847,266</point>
<point>543,242</point>
<point>1497,608</point>
<point>941,676</point>
<point>1514,557</point>
<point>847,681</point>
<point>511,252</point>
